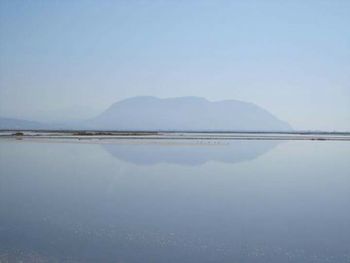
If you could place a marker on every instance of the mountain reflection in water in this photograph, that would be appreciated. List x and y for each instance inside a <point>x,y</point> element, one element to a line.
<point>189,153</point>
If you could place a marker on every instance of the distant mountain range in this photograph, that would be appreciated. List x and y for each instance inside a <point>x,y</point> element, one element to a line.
<point>17,124</point>
<point>171,114</point>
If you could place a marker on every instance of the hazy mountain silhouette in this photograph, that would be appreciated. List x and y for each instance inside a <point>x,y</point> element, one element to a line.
<point>172,114</point>
<point>189,153</point>
<point>186,114</point>
<point>10,123</point>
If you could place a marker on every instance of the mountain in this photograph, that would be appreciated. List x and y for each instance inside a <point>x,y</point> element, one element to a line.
<point>18,124</point>
<point>186,114</point>
<point>171,114</point>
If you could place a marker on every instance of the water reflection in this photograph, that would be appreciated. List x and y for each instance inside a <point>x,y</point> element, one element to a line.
<point>189,153</point>
<point>62,202</point>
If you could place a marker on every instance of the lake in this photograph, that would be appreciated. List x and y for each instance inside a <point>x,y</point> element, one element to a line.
<point>175,201</point>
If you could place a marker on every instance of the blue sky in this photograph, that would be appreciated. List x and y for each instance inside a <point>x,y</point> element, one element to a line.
<point>65,57</point>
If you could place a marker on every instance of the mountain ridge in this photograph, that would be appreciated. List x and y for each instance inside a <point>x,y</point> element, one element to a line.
<point>186,113</point>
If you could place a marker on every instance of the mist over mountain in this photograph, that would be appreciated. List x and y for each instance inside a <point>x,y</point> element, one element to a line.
<point>186,114</point>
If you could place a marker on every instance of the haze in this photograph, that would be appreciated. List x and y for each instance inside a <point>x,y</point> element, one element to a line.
<point>73,59</point>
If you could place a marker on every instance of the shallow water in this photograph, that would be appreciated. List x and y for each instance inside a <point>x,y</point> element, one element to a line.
<point>165,201</point>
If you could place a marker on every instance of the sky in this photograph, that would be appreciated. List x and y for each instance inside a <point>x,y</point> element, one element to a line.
<point>73,59</point>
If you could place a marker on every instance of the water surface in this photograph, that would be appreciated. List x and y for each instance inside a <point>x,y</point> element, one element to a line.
<point>133,201</point>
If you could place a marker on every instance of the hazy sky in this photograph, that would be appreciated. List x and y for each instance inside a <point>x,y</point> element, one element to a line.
<point>290,57</point>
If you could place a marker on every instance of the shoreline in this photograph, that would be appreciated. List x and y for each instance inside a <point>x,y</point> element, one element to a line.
<point>154,135</point>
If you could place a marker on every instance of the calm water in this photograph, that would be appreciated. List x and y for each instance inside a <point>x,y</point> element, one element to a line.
<point>238,201</point>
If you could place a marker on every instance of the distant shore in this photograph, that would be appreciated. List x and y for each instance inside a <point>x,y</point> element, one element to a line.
<point>174,135</point>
